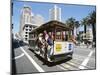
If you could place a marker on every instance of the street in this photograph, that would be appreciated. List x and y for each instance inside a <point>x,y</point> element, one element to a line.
<point>26,61</point>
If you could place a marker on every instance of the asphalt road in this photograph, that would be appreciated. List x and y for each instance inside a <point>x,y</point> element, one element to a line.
<point>25,61</point>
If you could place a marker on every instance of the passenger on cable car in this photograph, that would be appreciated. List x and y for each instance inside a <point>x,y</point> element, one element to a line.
<point>48,38</point>
<point>49,42</point>
<point>41,43</point>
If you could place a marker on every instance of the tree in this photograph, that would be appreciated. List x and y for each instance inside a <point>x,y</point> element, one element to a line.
<point>92,21</point>
<point>85,23</point>
<point>77,24</point>
<point>71,23</point>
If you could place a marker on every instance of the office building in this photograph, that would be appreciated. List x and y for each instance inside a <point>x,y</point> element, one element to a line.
<point>38,19</point>
<point>28,21</point>
<point>55,13</point>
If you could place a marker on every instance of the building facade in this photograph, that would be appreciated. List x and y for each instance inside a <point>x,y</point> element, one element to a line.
<point>89,34</point>
<point>55,13</point>
<point>28,21</point>
<point>38,19</point>
<point>26,29</point>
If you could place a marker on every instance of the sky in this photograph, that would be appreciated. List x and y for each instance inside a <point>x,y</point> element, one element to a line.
<point>67,10</point>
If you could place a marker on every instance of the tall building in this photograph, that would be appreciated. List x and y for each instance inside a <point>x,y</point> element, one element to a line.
<point>28,21</point>
<point>38,19</point>
<point>25,16</point>
<point>55,13</point>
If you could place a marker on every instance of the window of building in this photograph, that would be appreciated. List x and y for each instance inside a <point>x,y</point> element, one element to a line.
<point>31,36</point>
<point>29,29</point>
<point>26,32</point>
<point>26,26</point>
<point>25,35</point>
<point>26,39</point>
<point>26,29</point>
<point>30,26</point>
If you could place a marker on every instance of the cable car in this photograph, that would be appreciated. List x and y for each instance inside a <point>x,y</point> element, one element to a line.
<point>62,46</point>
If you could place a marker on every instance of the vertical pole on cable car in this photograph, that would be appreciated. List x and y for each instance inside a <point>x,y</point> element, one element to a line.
<point>55,34</point>
<point>45,54</point>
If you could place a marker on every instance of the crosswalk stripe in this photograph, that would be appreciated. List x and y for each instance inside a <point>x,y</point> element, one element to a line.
<point>72,66</point>
<point>61,67</point>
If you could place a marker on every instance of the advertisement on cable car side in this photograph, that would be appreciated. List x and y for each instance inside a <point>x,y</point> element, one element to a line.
<point>62,47</point>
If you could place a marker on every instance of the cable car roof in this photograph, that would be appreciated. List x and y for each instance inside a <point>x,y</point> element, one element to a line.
<point>51,26</point>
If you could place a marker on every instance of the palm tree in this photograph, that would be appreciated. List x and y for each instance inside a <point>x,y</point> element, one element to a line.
<point>85,23</point>
<point>71,23</point>
<point>77,24</point>
<point>92,21</point>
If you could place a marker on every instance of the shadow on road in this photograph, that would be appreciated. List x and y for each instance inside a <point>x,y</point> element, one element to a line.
<point>50,64</point>
<point>17,43</point>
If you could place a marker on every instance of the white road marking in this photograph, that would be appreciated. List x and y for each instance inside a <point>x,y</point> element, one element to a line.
<point>61,67</point>
<point>17,57</point>
<point>84,63</point>
<point>71,63</point>
<point>90,54</point>
<point>80,57</point>
<point>32,61</point>
<point>65,65</point>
